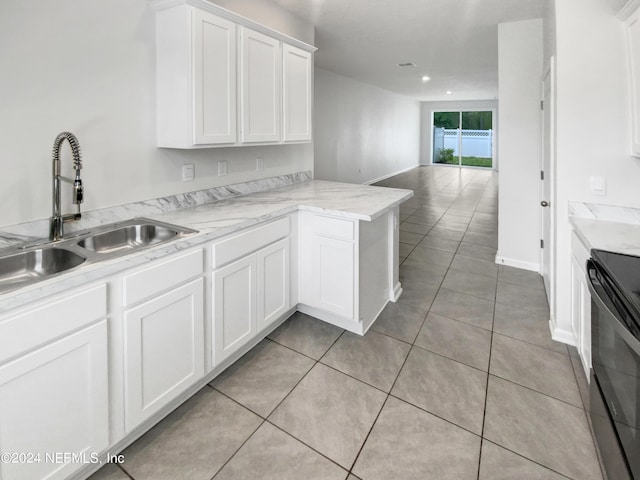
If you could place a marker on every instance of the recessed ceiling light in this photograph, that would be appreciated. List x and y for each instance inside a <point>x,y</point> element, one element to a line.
<point>425,78</point>
<point>406,64</point>
<point>449,92</point>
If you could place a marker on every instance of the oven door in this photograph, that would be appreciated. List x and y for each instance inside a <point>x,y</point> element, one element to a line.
<point>616,368</point>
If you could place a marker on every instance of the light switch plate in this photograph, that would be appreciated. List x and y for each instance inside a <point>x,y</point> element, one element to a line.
<point>188,172</point>
<point>222,168</point>
<point>259,163</point>
<point>598,185</point>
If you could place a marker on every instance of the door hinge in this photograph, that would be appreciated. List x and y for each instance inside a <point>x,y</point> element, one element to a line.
<point>541,243</point>
<point>541,174</point>
<point>541,104</point>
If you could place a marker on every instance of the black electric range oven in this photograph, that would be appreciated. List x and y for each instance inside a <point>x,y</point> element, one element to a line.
<point>614,283</point>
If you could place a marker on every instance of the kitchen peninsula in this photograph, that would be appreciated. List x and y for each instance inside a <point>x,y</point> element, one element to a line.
<point>136,336</point>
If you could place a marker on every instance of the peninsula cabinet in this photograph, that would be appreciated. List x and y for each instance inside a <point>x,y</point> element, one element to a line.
<point>54,386</point>
<point>224,80</point>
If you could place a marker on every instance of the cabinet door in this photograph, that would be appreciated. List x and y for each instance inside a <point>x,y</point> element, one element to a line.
<point>584,346</point>
<point>260,86</point>
<point>633,36</point>
<point>234,306</point>
<point>328,280</point>
<point>273,282</point>
<point>164,350</point>
<point>296,88</point>
<point>576,300</point>
<point>55,401</point>
<point>214,64</point>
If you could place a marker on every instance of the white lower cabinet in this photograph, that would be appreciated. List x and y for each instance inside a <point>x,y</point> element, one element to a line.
<point>164,350</point>
<point>329,275</point>
<point>274,289</point>
<point>251,285</point>
<point>580,303</point>
<point>234,306</point>
<point>54,412</point>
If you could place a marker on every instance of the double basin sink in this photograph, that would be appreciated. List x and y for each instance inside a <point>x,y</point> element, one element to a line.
<point>22,266</point>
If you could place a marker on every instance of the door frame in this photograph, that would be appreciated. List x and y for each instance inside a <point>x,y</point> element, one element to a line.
<point>549,176</point>
<point>494,139</point>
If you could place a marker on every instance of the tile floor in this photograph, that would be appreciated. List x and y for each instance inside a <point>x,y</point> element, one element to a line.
<point>457,380</point>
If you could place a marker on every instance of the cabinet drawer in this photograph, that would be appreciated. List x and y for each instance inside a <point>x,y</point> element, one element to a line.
<point>249,241</point>
<point>334,227</point>
<point>50,320</point>
<point>161,276</point>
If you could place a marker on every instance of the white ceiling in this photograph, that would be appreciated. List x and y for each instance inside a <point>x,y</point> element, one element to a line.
<point>455,42</point>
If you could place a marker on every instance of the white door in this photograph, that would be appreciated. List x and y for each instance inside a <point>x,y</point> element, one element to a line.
<point>297,70</point>
<point>54,401</point>
<point>261,77</point>
<point>547,176</point>
<point>273,290</point>
<point>214,65</point>
<point>164,350</point>
<point>234,306</point>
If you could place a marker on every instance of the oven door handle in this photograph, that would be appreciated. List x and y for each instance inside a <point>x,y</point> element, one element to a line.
<point>594,286</point>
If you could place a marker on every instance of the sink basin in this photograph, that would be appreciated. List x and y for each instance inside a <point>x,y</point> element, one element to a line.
<point>131,236</point>
<point>19,269</point>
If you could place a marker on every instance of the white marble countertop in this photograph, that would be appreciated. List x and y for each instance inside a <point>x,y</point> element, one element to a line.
<point>218,218</point>
<point>603,227</point>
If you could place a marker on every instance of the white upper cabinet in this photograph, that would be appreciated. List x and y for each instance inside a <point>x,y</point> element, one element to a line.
<point>297,90</point>
<point>214,64</point>
<point>260,85</point>
<point>224,80</point>
<point>633,37</point>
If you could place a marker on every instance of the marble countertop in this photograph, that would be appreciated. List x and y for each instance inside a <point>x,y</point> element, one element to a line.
<point>604,227</point>
<point>214,219</point>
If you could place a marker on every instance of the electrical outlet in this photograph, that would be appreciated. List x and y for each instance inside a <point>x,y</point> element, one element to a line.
<point>259,163</point>
<point>222,168</point>
<point>188,172</point>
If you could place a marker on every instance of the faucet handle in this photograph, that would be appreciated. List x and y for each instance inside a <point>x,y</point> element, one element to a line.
<point>78,191</point>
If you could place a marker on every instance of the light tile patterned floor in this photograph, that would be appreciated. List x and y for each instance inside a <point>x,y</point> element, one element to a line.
<point>458,380</point>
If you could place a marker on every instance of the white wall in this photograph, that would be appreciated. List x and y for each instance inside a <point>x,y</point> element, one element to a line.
<point>519,73</point>
<point>362,132</point>
<point>88,66</point>
<point>426,117</point>
<point>592,93</point>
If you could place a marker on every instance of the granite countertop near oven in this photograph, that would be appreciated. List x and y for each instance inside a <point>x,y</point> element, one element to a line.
<point>213,213</point>
<point>606,227</point>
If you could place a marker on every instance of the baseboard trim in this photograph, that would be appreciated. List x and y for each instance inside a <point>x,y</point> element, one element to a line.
<point>561,335</point>
<point>512,262</point>
<point>397,291</point>
<point>384,177</point>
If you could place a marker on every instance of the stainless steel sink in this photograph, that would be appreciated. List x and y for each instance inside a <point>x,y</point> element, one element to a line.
<point>22,266</point>
<point>130,237</point>
<point>27,267</point>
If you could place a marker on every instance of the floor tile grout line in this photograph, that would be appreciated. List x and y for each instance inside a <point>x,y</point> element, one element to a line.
<point>493,442</point>
<point>239,448</point>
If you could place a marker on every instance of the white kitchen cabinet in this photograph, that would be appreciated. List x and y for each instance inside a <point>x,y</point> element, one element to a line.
<point>54,396</point>
<point>297,90</point>
<point>260,80</point>
<point>251,284</point>
<point>633,44</point>
<point>329,280</point>
<point>214,65</point>
<point>273,282</point>
<point>346,269</point>
<point>163,330</point>
<point>224,80</point>
<point>164,350</point>
<point>580,314</point>
<point>196,78</point>
<point>234,306</point>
